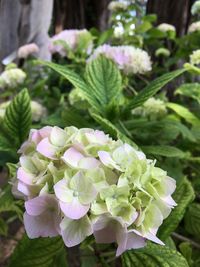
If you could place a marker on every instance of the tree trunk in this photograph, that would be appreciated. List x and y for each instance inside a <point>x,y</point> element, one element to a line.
<point>173,12</point>
<point>10,11</point>
<point>79,14</point>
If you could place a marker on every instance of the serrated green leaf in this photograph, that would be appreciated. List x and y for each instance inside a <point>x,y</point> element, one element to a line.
<point>192,219</point>
<point>17,119</point>
<point>166,151</point>
<point>183,196</point>
<point>153,256</point>
<point>152,88</point>
<point>184,113</point>
<point>38,252</point>
<point>104,78</point>
<point>77,81</point>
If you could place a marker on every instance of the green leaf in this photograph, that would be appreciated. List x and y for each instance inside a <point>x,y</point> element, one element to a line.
<point>17,119</point>
<point>8,203</point>
<point>77,81</point>
<point>166,151</point>
<point>192,219</point>
<point>153,256</point>
<point>184,113</point>
<point>183,196</point>
<point>4,144</point>
<point>71,116</point>
<point>38,252</point>
<point>61,259</point>
<point>104,78</point>
<point>191,90</point>
<point>12,168</point>
<point>152,88</point>
<point>186,251</point>
<point>3,227</point>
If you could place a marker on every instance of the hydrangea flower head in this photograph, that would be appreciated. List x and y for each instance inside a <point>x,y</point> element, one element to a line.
<point>12,77</point>
<point>195,57</point>
<point>27,50</point>
<point>152,108</point>
<point>128,58</point>
<point>165,27</point>
<point>195,8</point>
<point>79,182</point>
<point>194,27</point>
<point>73,40</point>
<point>117,6</point>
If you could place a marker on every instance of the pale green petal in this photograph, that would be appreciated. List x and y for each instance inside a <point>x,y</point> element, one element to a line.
<point>98,208</point>
<point>84,188</point>
<point>75,231</point>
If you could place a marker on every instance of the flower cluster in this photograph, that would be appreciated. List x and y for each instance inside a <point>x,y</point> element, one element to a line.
<point>195,8</point>
<point>195,57</point>
<point>152,108</point>
<point>163,52</point>
<point>79,182</point>
<point>194,27</point>
<point>117,6</point>
<point>77,99</point>
<point>27,50</point>
<point>71,40</point>
<point>165,27</point>
<point>128,58</point>
<point>12,77</point>
<point>38,111</point>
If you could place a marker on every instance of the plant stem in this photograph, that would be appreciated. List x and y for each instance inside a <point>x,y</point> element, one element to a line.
<point>183,238</point>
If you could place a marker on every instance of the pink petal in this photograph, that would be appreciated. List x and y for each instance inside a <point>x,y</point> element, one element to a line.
<point>106,159</point>
<point>36,206</point>
<point>88,163</point>
<point>24,176</point>
<point>47,149</point>
<point>45,132</point>
<point>74,210</point>
<point>72,157</point>
<point>28,190</point>
<point>154,238</point>
<point>105,229</point>
<point>45,225</point>
<point>169,201</point>
<point>128,240</point>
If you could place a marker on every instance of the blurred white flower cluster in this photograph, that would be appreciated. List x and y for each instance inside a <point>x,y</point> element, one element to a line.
<point>128,58</point>
<point>195,8</point>
<point>117,6</point>
<point>12,77</point>
<point>72,40</point>
<point>153,108</point>
<point>27,50</point>
<point>165,27</point>
<point>195,57</point>
<point>194,27</point>
<point>38,111</point>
